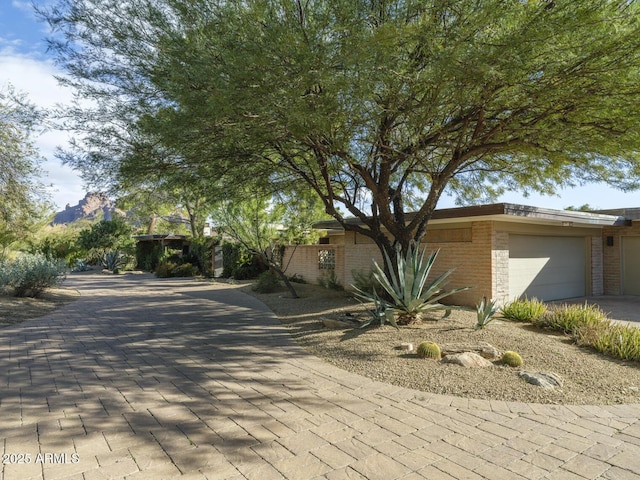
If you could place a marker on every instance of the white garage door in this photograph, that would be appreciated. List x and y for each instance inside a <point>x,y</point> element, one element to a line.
<point>631,265</point>
<point>548,268</point>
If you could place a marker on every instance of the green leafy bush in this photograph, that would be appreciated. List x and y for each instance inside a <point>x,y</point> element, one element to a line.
<point>30,275</point>
<point>410,294</point>
<point>565,318</point>
<point>165,269</point>
<point>169,268</point>
<point>524,310</point>
<point>428,350</point>
<point>268,282</point>
<point>239,263</point>
<point>513,359</point>
<point>485,311</point>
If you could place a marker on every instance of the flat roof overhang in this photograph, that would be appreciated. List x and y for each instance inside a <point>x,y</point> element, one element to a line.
<point>506,212</point>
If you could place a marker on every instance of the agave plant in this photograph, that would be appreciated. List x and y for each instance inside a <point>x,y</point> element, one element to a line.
<point>113,260</point>
<point>486,309</point>
<point>409,293</point>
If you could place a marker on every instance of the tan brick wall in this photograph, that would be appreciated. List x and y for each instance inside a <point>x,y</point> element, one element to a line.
<point>303,260</point>
<point>612,256</point>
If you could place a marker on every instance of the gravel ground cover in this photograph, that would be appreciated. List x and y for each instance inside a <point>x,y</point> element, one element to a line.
<point>589,378</point>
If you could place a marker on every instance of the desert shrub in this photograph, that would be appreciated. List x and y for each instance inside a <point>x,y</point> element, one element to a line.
<point>185,270</point>
<point>524,310</point>
<point>30,275</point>
<point>428,350</point>
<point>165,269</point>
<point>267,282</point>
<point>485,311</point>
<point>620,341</point>
<point>330,280</point>
<point>565,318</point>
<point>171,268</point>
<point>513,359</point>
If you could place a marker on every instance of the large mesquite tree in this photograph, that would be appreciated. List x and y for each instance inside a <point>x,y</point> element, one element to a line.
<point>379,105</point>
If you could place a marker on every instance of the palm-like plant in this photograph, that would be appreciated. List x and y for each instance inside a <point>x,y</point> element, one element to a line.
<point>410,294</point>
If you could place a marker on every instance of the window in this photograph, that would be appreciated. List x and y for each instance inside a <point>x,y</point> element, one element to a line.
<point>327,259</point>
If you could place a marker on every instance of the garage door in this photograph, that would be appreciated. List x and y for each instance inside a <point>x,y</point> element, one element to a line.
<point>631,265</point>
<point>548,268</point>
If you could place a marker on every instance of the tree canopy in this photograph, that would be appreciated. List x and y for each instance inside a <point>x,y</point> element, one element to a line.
<point>377,106</point>
<point>23,201</point>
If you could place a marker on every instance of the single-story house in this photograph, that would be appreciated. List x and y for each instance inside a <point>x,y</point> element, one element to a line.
<point>503,250</point>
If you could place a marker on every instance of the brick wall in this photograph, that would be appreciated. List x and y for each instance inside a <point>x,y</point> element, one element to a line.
<point>467,250</point>
<point>303,260</point>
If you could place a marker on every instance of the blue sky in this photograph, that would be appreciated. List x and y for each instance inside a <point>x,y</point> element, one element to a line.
<point>25,64</point>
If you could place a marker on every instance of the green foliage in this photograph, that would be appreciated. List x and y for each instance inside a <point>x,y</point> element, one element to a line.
<point>428,350</point>
<point>23,200</point>
<point>513,359</point>
<point>377,106</point>
<point>30,275</point>
<point>239,263</point>
<point>619,341</point>
<point>524,310</point>
<point>485,310</point>
<point>106,235</point>
<point>565,318</point>
<point>59,241</point>
<point>410,294</point>
<point>171,268</point>
<point>268,282</point>
<point>329,280</point>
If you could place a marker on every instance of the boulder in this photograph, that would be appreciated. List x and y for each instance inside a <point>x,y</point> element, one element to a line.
<point>484,349</point>
<point>467,360</point>
<point>545,380</point>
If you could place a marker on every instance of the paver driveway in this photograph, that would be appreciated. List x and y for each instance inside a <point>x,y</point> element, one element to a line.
<point>150,379</point>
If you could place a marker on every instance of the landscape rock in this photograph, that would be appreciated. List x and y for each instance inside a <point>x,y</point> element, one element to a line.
<point>467,360</point>
<point>484,349</point>
<point>405,346</point>
<point>545,380</point>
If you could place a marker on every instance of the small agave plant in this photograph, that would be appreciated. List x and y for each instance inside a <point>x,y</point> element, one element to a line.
<point>409,292</point>
<point>486,309</point>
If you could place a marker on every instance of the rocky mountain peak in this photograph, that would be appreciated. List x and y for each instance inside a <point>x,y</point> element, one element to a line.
<point>93,205</point>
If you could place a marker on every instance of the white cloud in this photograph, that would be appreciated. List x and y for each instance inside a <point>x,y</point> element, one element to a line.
<point>36,79</point>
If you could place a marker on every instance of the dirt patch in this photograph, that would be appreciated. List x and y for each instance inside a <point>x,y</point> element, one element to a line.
<point>16,310</point>
<point>589,377</point>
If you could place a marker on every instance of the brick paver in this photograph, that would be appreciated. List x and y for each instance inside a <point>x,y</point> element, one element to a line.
<point>146,378</point>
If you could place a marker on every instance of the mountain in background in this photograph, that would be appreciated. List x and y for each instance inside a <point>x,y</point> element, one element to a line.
<point>93,206</point>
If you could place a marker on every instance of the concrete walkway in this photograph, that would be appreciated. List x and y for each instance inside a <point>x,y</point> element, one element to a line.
<point>151,379</point>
